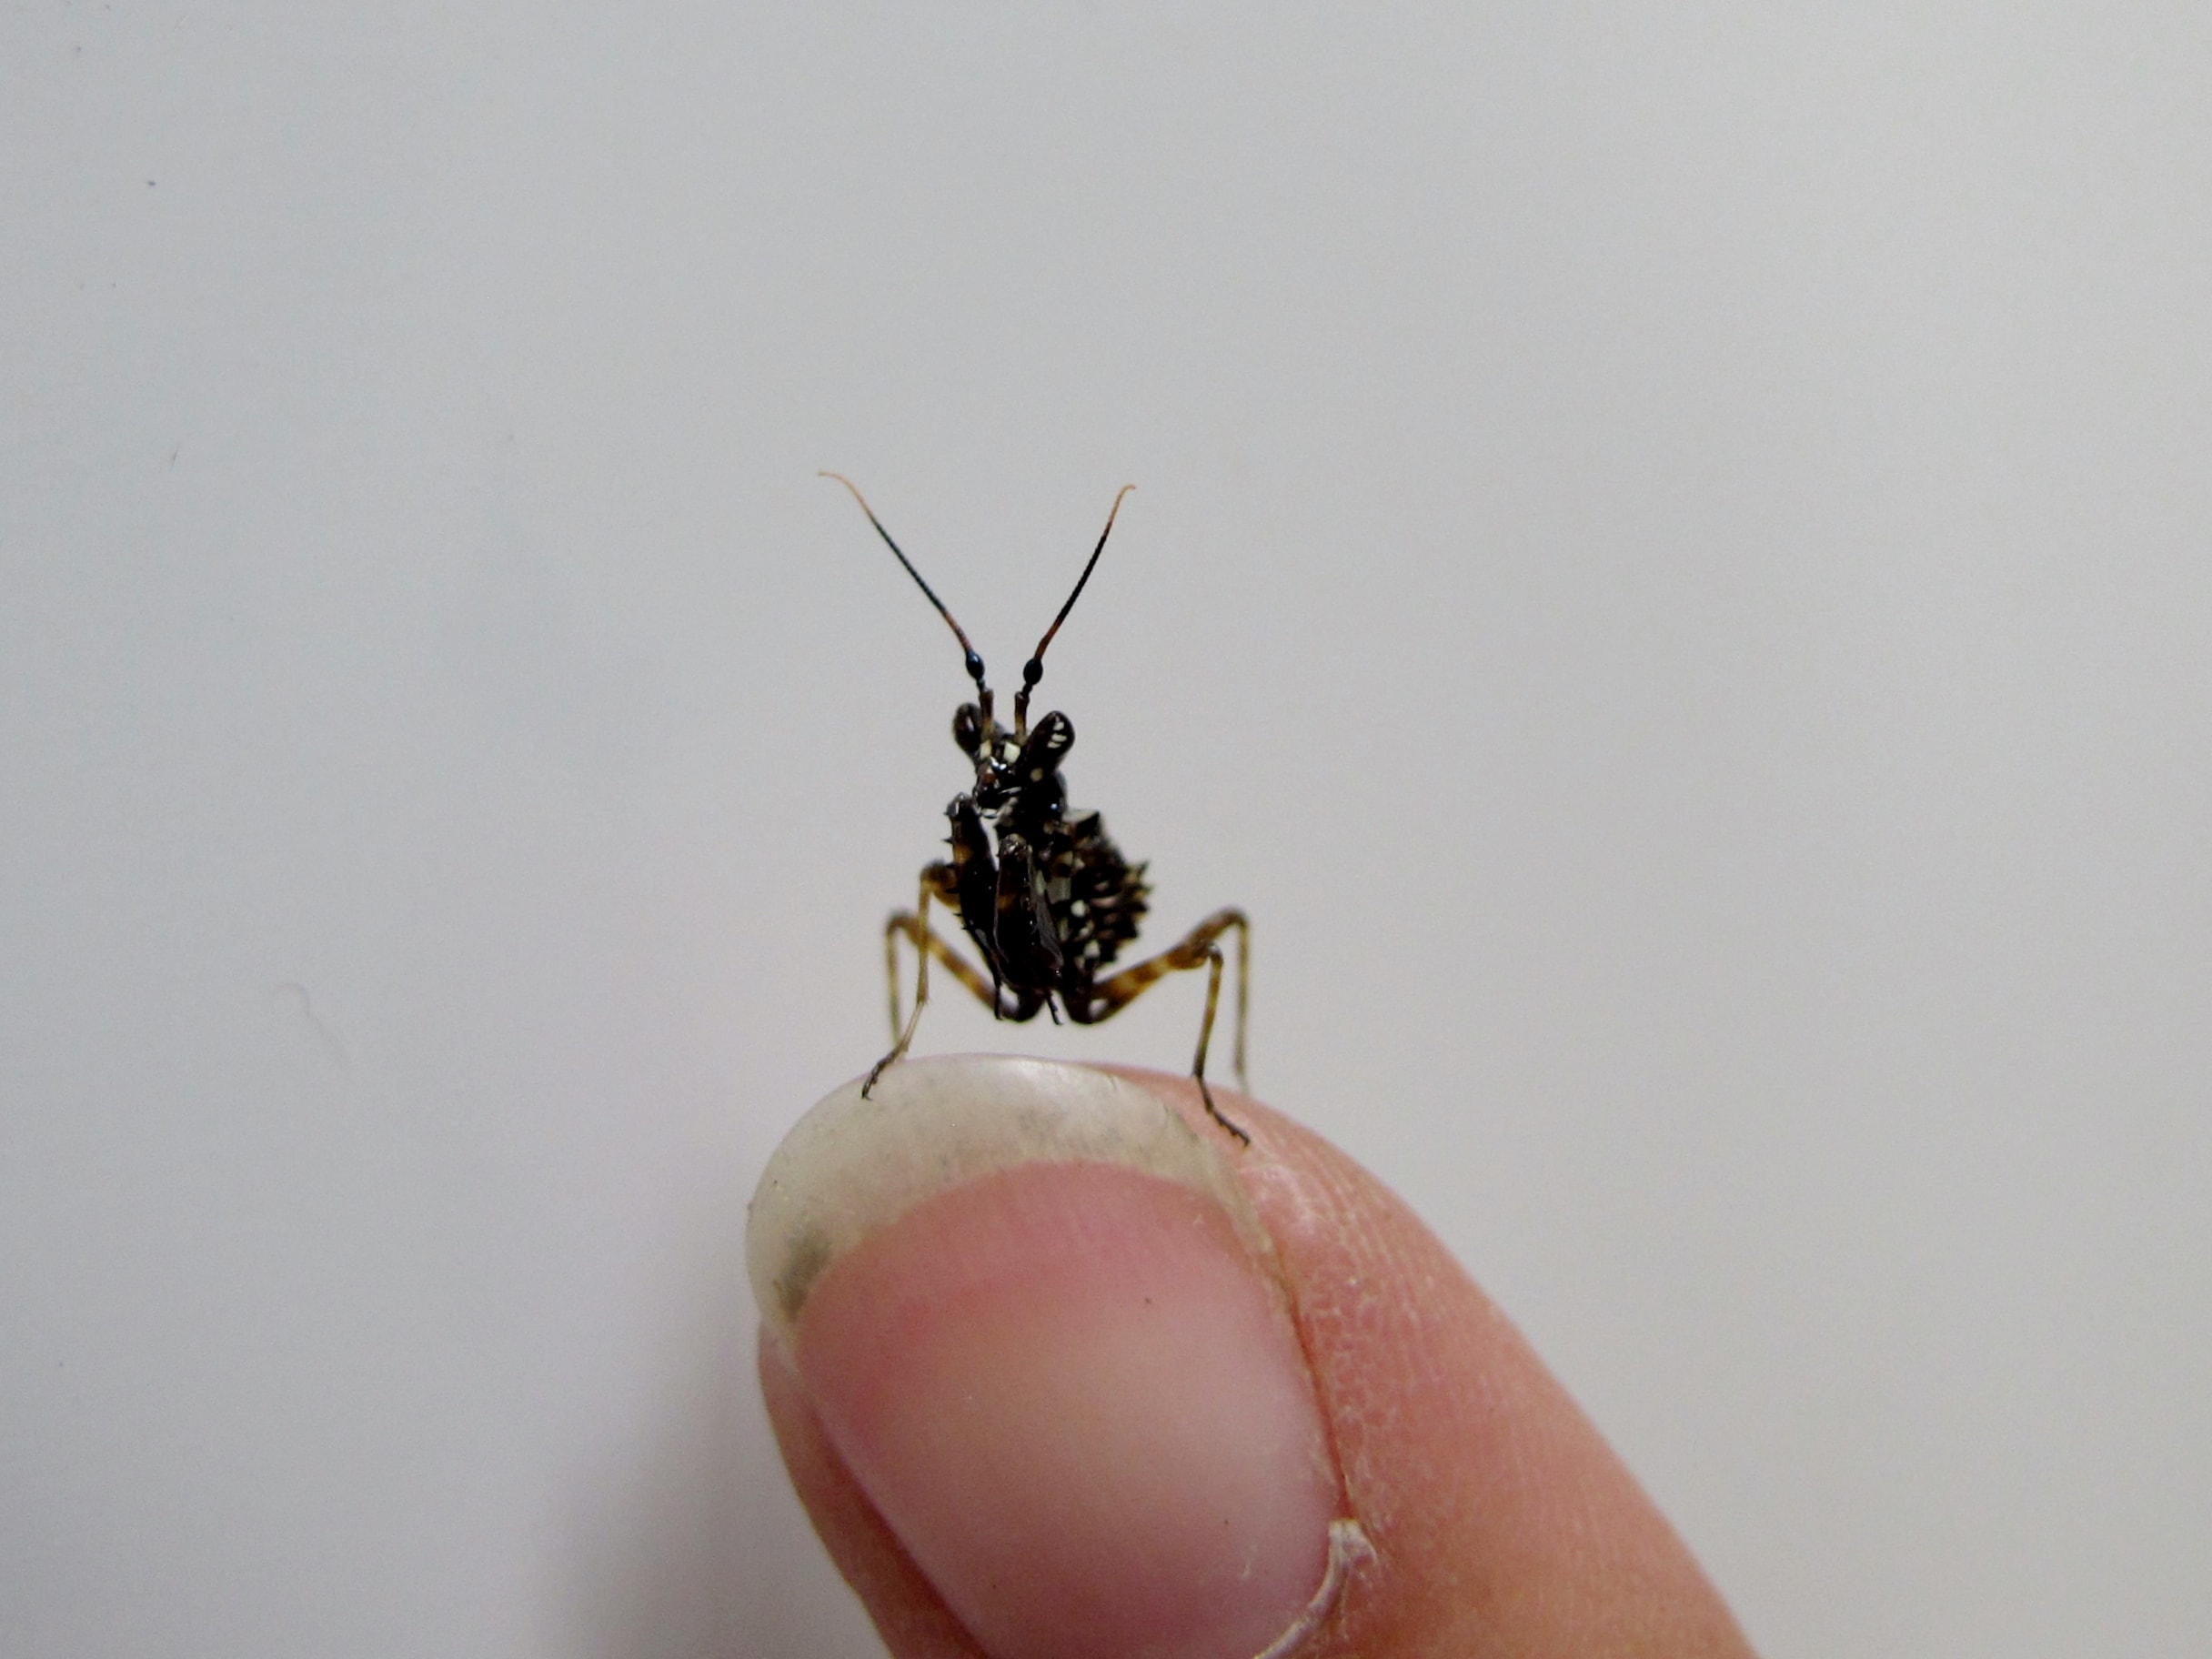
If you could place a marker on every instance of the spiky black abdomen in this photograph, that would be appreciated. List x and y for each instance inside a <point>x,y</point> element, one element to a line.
<point>1097,898</point>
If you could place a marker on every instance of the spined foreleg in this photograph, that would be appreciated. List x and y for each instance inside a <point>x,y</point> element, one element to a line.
<point>914,927</point>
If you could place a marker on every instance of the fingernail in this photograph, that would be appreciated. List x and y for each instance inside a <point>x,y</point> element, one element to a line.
<point>1035,1315</point>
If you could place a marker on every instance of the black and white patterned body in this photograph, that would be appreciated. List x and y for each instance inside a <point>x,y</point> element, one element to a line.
<point>1043,894</point>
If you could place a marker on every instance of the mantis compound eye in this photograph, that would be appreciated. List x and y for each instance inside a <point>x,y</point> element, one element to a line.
<point>1054,737</point>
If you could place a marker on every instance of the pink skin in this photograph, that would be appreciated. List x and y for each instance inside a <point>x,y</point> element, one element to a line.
<point>1082,1409</point>
<point>1000,1477</point>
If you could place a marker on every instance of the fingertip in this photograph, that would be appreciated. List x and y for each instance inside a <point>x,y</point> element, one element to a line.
<point>1066,1389</point>
<point>1021,1391</point>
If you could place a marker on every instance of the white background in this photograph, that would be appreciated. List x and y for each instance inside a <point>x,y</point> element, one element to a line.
<point>1672,572</point>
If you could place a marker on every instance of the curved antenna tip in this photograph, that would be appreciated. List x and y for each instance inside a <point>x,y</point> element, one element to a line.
<point>1033,669</point>
<point>974,663</point>
<point>849,484</point>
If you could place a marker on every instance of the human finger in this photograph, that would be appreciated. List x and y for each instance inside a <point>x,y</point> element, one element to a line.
<point>1060,1371</point>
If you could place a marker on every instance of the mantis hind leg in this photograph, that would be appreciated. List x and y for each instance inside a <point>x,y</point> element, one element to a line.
<point>1197,949</point>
